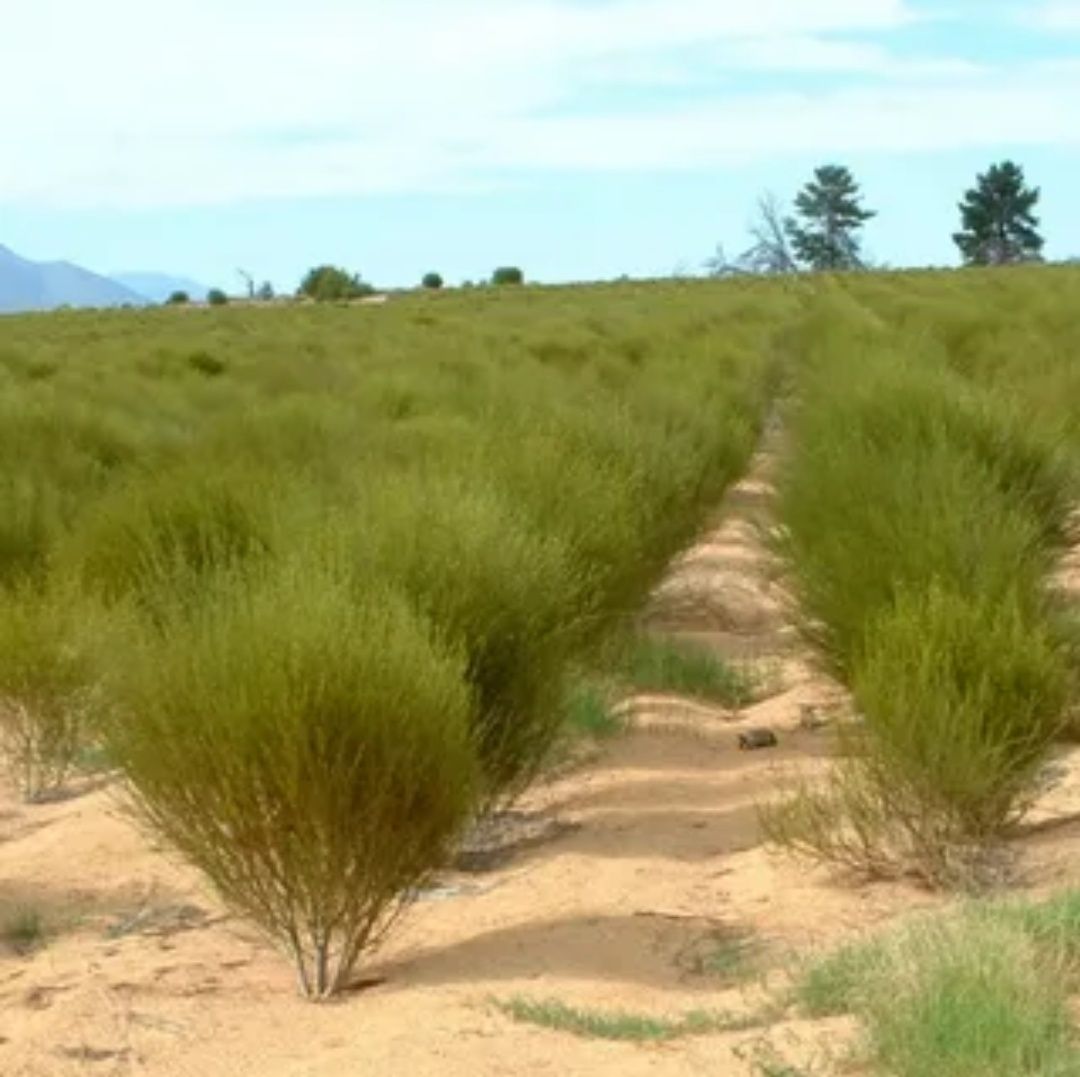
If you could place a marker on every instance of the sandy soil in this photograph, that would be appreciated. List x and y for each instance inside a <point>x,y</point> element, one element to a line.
<point>660,857</point>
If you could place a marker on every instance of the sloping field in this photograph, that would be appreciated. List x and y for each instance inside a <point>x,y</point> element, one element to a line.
<point>307,590</point>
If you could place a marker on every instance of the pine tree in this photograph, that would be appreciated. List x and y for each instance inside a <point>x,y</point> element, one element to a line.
<point>826,236</point>
<point>999,226</point>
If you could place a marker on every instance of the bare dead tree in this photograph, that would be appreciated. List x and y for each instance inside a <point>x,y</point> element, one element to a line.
<point>769,255</point>
<point>719,265</point>
<point>771,251</point>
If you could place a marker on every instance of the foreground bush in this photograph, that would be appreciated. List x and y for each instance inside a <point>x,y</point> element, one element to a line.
<point>309,752</point>
<point>506,595</point>
<point>45,688</point>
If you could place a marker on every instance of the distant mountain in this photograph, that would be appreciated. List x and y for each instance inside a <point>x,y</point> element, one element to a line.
<point>26,285</point>
<point>157,287</point>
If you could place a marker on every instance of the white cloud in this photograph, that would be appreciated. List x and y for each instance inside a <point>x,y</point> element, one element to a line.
<point>1058,15</point>
<point>822,55</point>
<point>111,104</point>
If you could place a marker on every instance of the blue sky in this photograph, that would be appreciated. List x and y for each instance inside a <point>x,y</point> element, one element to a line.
<point>580,139</point>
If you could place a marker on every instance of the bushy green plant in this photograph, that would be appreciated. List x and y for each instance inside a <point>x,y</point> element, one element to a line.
<point>921,523</point>
<point>164,533</point>
<point>206,363</point>
<point>328,283</point>
<point>506,595</point>
<point>507,275</point>
<point>963,695</point>
<point>306,748</point>
<point>46,686</point>
<point>217,298</point>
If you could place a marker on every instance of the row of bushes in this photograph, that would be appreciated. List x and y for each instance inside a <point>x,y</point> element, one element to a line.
<point>320,608</point>
<point>921,518</point>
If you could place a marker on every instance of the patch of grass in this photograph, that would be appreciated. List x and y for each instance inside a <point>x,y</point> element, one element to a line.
<point>23,929</point>
<point>589,711</point>
<point>619,1026</point>
<point>657,664</point>
<point>768,1061</point>
<point>725,957</point>
<point>981,992</point>
<point>829,987</point>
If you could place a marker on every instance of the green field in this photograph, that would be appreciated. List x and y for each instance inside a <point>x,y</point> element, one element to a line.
<point>316,578</point>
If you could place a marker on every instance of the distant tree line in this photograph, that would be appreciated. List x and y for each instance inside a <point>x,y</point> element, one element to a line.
<point>998,226</point>
<point>823,233</point>
<point>329,283</point>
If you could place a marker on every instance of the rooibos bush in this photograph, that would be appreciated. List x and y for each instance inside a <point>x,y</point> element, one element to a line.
<point>163,533</point>
<point>308,751</point>
<point>45,687</point>
<point>963,696</point>
<point>921,521</point>
<point>508,596</point>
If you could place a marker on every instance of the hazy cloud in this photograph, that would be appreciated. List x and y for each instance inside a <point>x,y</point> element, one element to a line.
<point>111,104</point>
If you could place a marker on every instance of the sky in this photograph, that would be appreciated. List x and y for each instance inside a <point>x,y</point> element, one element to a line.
<point>579,139</point>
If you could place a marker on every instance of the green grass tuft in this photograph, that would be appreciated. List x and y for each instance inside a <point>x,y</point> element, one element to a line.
<point>668,665</point>
<point>618,1026</point>
<point>983,991</point>
<point>23,929</point>
<point>589,711</point>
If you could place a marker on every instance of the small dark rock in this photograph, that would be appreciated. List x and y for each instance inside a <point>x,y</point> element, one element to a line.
<point>753,739</point>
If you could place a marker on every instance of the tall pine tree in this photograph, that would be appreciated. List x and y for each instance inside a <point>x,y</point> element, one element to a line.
<point>999,226</point>
<point>830,216</point>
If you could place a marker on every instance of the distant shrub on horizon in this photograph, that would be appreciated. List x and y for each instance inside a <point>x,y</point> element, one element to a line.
<point>507,275</point>
<point>327,283</point>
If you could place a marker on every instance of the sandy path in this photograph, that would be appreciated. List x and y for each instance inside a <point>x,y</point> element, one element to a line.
<point>151,978</point>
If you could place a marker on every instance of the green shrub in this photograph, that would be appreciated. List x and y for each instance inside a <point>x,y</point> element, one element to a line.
<point>962,695</point>
<point>507,275</point>
<point>329,283</point>
<point>432,281</point>
<point>178,299</point>
<point>307,750</point>
<point>217,298</point>
<point>163,534</point>
<point>506,595</point>
<point>870,514</point>
<point>46,686</point>
<point>921,524</point>
<point>30,520</point>
<point>206,363</point>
